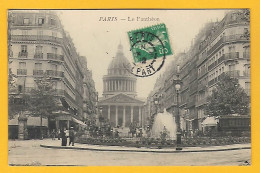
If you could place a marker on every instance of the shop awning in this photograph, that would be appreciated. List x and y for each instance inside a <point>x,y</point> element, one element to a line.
<point>31,121</point>
<point>79,122</point>
<point>210,121</point>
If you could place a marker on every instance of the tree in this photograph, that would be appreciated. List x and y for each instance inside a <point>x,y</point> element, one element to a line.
<point>227,98</point>
<point>42,100</point>
<point>17,100</point>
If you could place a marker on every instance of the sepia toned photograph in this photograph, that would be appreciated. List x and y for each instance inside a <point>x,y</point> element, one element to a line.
<point>166,87</point>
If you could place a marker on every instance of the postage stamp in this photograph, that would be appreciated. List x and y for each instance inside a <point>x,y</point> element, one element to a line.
<point>149,47</point>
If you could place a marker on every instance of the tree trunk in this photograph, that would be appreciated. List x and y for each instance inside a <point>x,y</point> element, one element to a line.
<point>41,136</point>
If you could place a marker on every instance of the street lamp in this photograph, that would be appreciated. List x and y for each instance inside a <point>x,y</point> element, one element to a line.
<point>177,119</point>
<point>156,102</point>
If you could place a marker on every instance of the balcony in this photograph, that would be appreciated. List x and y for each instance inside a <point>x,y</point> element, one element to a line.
<point>213,81</point>
<point>38,72</point>
<point>53,73</point>
<point>23,54</point>
<point>224,39</point>
<point>231,56</point>
<point>246,73</point>
<point>211,66</point>
<point>235,37</point>
<point>36,38</point>
<point>191,102</point>
<point>201,102</point>
<point>38,56</point>
<point>221,40</point>
<point>234,73</point>
<point>202,86</point>
<point>222,58</point>
<point>21,71</point>
<point>246,55</point>
<point>55,57</point>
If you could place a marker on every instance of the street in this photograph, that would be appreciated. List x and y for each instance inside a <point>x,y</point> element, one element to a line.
<point>30,153</point>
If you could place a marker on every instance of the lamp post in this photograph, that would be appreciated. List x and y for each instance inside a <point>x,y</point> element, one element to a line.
<point>177,117</point>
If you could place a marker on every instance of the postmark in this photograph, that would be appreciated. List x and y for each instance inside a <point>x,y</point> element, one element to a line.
<point>149,47</point>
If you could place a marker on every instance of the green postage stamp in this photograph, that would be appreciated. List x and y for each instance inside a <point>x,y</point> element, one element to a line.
<point>143,42</point>
<point>149,46</point>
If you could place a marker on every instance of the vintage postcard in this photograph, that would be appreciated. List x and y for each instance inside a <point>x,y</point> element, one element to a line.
<point>118,87</point>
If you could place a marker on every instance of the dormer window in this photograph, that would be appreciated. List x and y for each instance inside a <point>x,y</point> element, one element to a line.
<point>41,21</point>
<point>53,22</point>
<point>26,21</point>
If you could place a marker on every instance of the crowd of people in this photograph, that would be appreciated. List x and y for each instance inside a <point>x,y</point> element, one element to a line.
<point>64,134</point>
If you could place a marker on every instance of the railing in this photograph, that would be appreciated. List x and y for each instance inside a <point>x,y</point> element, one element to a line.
<point>52,56</point>
<point>202,59</point>
<point>246,55</point>
<point>246,73</point>
<point>213,81</point>
<point>21,71</point>
<point>202,86</point>
<point>35,38</point>
<point>231,56</point>
<point>221,40</point>
<point>191,102</point>
<point>202,73</point>
<point>23,54</point>
<point>201,101</point>
<point>229,38</point>
<point>234,37</point>
<point>68,83</point>
<point>222,58</point>
<point>53,73</point>
<point>37,72</point>
<point>211,66</point>
<point>234,73</point>
<point>38,56</point>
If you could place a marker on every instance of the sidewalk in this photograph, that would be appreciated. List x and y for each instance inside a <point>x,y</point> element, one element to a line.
<point>56,144</point>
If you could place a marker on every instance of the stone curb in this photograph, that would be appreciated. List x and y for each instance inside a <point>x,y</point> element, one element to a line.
<point>144,150</point>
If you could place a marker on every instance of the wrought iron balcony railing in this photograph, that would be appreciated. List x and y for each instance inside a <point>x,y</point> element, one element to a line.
<point>21,71</point>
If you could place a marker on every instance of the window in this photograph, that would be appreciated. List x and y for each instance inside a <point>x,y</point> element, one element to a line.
<point>38,66</point>
<point>231,67</point>
<point>23,48</point>
<point>22,65</point>
<point>54,67</point>
<point>41,21</point>
<point>53,21</point>
<point>26,21</point>
<point>20,88</point>
<point>38,50</point>
<point>54,50</point>
<point>54,34</point>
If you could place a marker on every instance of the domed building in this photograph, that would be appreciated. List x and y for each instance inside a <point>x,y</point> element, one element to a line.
<point>119,103</point>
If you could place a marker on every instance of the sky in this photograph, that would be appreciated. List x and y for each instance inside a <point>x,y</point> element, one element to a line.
<point>98,39</point>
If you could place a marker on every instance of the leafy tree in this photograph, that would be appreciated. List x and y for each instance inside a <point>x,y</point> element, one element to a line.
<point>17,100</point>
<point>42,100</point>
<point>227,98</point>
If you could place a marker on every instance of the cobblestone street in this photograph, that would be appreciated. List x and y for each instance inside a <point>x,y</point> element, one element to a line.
<point>30,153</point>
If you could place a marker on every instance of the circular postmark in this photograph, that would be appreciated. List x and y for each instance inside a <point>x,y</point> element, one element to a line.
<point>149,54</point>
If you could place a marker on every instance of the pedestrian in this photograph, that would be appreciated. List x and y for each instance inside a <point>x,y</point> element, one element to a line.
<point>58,134</point>
<point>63,138</point>
<point>71,136</point>
<point>53,134</point>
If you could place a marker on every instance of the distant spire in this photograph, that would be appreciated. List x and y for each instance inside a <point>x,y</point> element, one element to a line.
<point>120,48</point>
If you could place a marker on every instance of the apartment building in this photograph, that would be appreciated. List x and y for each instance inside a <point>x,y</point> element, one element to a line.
<point>220,47</point>
<point>39,45</point>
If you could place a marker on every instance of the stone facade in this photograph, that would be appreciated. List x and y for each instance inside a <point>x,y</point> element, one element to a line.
<point>220,47</point>
<point>38,45</point>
